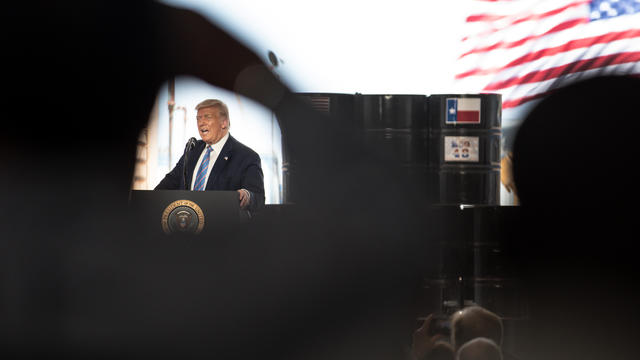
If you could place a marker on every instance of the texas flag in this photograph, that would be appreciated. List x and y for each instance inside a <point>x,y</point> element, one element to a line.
<point>463,111</point>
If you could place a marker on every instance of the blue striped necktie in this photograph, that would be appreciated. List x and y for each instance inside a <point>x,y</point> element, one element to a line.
<point>202,171</point>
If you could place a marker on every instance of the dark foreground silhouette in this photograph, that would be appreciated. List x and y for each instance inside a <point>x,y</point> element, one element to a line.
<point>333,279</point>
<point>573,166</point>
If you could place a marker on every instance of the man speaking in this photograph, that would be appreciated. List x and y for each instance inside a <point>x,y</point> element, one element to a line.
<point>218,161</point>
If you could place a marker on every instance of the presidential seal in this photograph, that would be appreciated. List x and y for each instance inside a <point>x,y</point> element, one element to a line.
<point>182,216</point>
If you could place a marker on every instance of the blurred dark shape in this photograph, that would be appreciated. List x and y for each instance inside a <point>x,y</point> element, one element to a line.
<point>273,59</point>
<point>427,341</point>
<point>332,279</point>
<point>573,168</point>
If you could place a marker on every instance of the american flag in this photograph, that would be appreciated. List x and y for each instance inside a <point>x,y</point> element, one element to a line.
<point>524,49</point>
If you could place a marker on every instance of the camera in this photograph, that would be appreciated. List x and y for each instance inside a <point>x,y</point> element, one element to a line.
<point>440,325</point>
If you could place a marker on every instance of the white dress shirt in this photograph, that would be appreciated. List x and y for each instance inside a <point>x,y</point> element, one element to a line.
<point>217,148</point>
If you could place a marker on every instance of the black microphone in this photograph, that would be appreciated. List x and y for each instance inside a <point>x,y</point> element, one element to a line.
<point>190,145</point>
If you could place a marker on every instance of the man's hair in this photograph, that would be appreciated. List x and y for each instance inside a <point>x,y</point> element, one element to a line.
<point>479,349</point>
<point>224,111</point>
<point>473,322</point>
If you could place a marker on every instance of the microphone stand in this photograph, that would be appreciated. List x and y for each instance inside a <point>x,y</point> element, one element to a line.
<point>190,144</point>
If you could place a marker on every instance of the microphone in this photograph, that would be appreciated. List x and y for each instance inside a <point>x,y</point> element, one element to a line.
<point>190,145</point>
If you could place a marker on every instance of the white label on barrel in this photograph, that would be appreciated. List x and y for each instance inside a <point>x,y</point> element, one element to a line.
<point>461,148</point>
<point>463,111</point>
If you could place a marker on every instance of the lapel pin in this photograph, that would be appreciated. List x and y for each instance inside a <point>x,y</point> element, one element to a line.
<point>226,158</point>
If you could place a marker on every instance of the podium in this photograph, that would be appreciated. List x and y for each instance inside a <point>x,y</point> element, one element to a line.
<point>174,212</point>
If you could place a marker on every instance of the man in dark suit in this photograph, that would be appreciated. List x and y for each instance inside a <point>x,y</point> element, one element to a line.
<point>218,161</point>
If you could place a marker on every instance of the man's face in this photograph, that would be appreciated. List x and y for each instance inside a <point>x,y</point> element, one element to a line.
<point>211,125</point>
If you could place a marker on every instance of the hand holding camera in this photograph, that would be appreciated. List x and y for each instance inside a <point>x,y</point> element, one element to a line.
<point>435,330</point>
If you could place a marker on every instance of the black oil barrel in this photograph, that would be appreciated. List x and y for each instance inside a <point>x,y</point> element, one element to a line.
<point>395,127</point>
<point>338,105</point>
<point>334,104</point>
<point>464,148</point>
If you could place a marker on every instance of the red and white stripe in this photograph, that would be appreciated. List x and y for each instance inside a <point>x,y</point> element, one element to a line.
<point>526,48</point>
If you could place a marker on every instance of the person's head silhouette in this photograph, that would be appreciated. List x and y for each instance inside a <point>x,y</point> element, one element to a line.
<point>572,167</point>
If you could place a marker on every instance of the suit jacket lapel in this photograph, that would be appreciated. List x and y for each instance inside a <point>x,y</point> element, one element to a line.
<point>221,163</point>
<point>194,155</point>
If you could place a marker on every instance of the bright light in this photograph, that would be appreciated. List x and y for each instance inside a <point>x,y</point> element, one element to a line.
<point>399,47</point>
